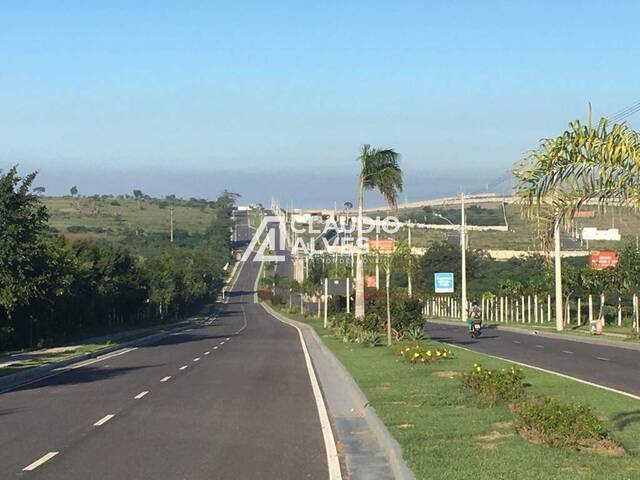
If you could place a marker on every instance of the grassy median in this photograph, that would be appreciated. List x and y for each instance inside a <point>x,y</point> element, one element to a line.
<point>445,434</point>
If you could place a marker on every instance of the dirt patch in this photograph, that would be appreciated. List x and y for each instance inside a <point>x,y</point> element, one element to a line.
<point>495,435</point>
<point>404,426</point>
<point>575,469</point>
<point>384,386</point>
<point>503,424</point>
<point>488,446</point>
<point>605,446</point>
<point>447,374</point>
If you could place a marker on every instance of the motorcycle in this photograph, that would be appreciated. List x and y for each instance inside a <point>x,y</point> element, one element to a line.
<point>476,328</point>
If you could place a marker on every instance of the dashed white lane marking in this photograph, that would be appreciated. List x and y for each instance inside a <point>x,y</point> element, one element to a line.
<point>517,341</point>
<point>228,338</point>
<point>103,420</point>
<point>215,348</point>
<point>183,367</point>
<point>174,334</point>
<point>207,353</point>
<point>197,359</point>
<point>188,329</point>
<point>568,352</point>
<point>603,359</point>
<point>165,378</point>
<point>40,461</point>
<point>539,346</point>
<point>221,343</point>
<point>141,394</point>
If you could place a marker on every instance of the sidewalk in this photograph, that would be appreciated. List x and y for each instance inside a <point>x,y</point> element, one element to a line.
<point>24,367</point>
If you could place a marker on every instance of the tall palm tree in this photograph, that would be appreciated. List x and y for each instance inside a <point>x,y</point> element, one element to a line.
<point>599,163</point>
<point>379,170</point>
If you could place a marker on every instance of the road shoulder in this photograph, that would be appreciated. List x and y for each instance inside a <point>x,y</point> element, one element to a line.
<point>367,448</point>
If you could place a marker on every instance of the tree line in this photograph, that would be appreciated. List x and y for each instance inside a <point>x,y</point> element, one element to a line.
<point>53,289</point>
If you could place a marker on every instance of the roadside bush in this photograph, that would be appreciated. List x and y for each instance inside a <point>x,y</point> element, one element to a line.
<point>265,294</point>
<point>406,313</point>
<point>547,421</point>
<point>277,301</point>
<point>415,334</point>
<point>495,386</point>
<point>420,354</point>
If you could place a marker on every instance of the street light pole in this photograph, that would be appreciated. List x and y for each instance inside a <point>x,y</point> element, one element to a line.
<point>558,275</point>
<point>463,248</point>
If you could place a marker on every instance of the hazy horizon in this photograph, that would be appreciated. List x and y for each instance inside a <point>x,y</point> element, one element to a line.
<point>304,189</point>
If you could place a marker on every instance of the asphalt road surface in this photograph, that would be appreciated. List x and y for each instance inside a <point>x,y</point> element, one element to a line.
<point>610,366</point>
<point>228,399</point>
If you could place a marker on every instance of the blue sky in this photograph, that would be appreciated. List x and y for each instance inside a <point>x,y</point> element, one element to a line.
<point>213,89</point>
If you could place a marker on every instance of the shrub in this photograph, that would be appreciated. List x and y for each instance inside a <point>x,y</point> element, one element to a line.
<point>495,386</point>
<point>415,334</point>
<point>114,203</point>
<point>420,354</point>
<point>265,294</point>
<point>547,421</point>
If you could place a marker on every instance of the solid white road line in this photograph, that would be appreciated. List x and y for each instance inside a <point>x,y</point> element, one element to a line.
<point>165,378</point>
<point>197,359</point>
<point>141,394</point>
<point>103,420</point>
<point>540,369</point>
<point>183,367</point>
<point>40,461</point>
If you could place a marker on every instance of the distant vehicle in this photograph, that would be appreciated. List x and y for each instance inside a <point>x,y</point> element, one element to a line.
<point>476,328</point>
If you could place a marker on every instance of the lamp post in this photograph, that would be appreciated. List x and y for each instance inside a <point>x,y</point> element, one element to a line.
<point>463,253</point>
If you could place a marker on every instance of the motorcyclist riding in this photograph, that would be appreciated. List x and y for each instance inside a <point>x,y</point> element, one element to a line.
<point>475,314</point>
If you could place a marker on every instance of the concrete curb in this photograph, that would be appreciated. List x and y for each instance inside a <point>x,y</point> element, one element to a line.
<point>390,446</point>
<point>10,382</point>
<point>558,336</point>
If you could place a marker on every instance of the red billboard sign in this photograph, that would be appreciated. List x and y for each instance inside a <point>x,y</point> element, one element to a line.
<point>601,259</point>
<point>382,245</point>
<point>584,214</point>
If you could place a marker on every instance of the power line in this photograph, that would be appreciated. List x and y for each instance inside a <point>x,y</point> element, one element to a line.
<point>625,113</point>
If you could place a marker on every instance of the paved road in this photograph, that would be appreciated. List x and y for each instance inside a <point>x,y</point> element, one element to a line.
<point>613,367</point>
<point>228,399</point>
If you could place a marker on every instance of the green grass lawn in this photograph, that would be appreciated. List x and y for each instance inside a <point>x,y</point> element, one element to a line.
<point>111,217</point>
<point>445,435</point>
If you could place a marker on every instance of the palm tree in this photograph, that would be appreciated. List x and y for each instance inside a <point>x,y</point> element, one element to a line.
<point>586,163</point>
<point>379,170</point>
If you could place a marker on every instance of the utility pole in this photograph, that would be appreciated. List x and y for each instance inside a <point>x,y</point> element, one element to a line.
<point>377,261</point>
<point>409,283</point>
<point>171,215</point>
<point>558,275</point>
<point>463,248</point>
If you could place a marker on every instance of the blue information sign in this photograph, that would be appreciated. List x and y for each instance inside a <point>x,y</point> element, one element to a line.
<point>443,282</point>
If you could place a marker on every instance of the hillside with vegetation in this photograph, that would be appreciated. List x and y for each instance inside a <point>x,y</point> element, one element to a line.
<point>74,267</point>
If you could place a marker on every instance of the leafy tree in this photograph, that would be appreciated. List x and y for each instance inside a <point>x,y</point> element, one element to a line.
<point>23,223</point>
<point>73,191</point>
<point>444,257</point>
